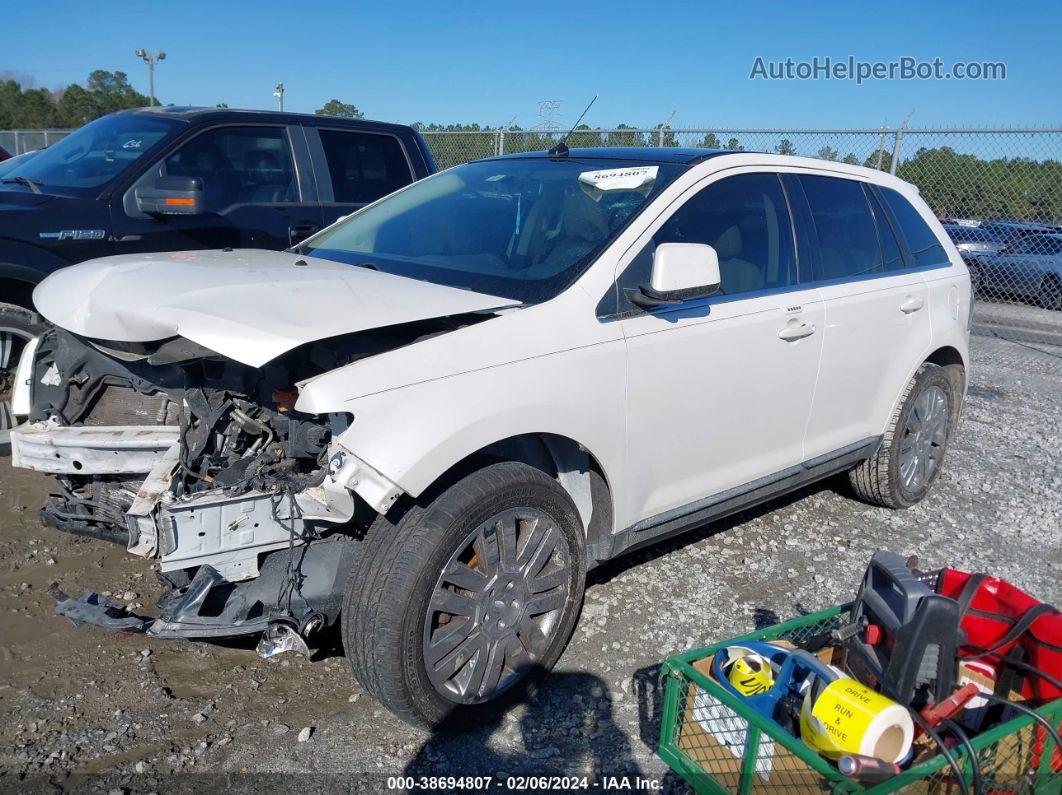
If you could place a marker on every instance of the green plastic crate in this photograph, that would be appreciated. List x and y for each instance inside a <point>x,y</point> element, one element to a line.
<point>755,755</point>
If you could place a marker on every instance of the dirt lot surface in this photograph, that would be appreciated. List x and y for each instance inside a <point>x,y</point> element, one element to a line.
<point>83,709</point>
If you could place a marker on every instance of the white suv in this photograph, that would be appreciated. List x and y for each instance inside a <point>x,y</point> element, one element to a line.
<point>428,421</point>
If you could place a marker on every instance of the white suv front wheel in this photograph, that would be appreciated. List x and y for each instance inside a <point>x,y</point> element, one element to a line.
<point>466,597</point>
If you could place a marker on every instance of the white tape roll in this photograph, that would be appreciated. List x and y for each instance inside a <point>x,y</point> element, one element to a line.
<point>850,718</point>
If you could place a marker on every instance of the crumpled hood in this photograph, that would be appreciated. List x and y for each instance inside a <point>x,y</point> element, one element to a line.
<point>249,305</point>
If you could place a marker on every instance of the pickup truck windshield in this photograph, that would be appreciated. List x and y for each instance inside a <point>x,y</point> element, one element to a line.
<point>84,162</point>
<point>524,229</point>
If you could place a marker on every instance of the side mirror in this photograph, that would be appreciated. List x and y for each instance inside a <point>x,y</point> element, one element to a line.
<point>172,196</point>
<point>681,272</point>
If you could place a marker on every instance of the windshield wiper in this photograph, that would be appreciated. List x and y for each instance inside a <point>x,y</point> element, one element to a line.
<point>32,184</point>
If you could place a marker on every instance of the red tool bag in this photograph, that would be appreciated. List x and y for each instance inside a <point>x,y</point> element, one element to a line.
<point>997,617</point>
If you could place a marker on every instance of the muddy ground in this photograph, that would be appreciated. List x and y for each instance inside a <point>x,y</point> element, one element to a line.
<point>82,709</point>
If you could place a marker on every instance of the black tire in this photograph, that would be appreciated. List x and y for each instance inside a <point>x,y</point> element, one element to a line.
<point>879,480</point>
<point>17,326</point>
<point>976,277</point>
<point>1051,293</point>
<point>390,591</point>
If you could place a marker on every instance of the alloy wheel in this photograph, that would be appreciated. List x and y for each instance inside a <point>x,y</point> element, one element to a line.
<point>924,436</point>
<point>497,605</point>
<point>12,341</point>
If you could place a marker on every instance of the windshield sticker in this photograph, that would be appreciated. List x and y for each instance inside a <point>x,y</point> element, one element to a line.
<point>639,178</point>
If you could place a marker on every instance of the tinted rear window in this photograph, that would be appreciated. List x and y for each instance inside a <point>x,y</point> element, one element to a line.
<point>890,246</point>
<point>364,166</point>
<point>921,242</point>
<point>847,235</point>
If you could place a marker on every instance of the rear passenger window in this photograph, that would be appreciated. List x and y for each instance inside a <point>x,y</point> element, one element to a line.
<point>747,221</point>
<point>890,248</point>
<point>847,235</point>
<point>364,166</point>
<point>921,242</point>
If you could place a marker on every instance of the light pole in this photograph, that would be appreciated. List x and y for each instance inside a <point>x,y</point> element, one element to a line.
<point>151,60</point>
<point>278,92</point>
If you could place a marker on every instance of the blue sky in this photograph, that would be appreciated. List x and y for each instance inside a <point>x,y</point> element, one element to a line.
<point>487,62</point>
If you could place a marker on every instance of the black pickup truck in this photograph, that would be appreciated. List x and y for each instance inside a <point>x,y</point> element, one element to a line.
<point>176,178</point>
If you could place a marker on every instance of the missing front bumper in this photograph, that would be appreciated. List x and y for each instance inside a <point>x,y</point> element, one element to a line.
<point>304,586</point>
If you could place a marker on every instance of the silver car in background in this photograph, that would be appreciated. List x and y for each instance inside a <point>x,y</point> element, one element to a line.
<point>972,241</point>
<point>1030,268</point>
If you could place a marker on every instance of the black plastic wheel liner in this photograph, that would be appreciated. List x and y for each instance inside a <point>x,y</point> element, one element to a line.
<point>210,607</point>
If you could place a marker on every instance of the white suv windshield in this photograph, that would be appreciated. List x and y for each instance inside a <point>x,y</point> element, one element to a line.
<point>520,228</point>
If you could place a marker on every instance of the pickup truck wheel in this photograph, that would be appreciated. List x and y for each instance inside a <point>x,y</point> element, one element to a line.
<point>912,450</point>
<point>17,327</point>
<point>464,599</point>
<point>976,277</point>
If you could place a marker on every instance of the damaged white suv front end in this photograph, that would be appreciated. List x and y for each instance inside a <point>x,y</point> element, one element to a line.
<point>202,460</point>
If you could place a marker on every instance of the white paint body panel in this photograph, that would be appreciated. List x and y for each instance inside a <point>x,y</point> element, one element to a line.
<point>249,305</point>
<point>450,395</point>
<point>701,420</point>
<point>869,344</point>
<point>681,266</point>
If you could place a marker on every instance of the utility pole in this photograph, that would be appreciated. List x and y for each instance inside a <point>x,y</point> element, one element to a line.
<point>660,135</point>
<point>278,92</point>
<point>151,60</point>
<point>501,135</point>
<point>896,143</point>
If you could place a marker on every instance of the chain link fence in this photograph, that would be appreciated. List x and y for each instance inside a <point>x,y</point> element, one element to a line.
<point>998,192</point>
<point>18,142</point>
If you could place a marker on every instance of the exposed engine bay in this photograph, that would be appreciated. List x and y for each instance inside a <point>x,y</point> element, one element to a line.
<point>204,463</point>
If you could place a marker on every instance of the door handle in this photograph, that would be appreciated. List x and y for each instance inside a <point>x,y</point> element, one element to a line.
<point>791,333</point>
<point>299,232</point>
<point>912,304</point>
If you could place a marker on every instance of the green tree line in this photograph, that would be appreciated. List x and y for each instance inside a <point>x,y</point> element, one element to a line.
<point>70,106</point>
<point>965,186</point>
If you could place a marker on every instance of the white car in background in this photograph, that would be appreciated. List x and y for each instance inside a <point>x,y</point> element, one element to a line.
<point>428,421</point>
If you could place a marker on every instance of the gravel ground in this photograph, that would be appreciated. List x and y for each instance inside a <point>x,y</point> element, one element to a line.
<point>83,709</point>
